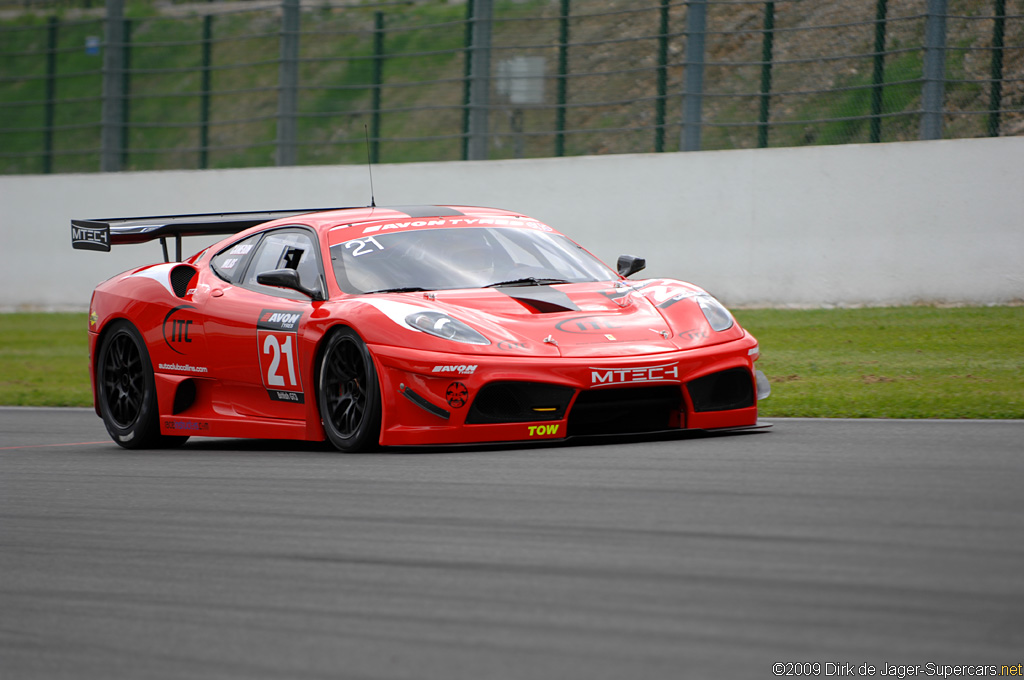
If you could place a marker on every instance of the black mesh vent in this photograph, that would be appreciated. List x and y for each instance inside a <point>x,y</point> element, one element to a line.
<point>519,402</point>
<point>626,410</point>
<point>181,277</point>
<point>722,391</point>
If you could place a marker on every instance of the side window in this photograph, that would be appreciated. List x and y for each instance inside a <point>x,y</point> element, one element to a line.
<point>285,249</point>
<point>229,263</point>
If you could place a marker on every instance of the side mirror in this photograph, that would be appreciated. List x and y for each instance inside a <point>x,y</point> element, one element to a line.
<point>630,264</point>
<point>287,278</point>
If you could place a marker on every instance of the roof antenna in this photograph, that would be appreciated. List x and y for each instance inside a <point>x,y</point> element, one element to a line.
<point>369,165</point>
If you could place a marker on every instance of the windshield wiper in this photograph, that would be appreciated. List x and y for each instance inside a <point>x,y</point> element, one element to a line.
<point>527,281</point>
<point>405,289</point>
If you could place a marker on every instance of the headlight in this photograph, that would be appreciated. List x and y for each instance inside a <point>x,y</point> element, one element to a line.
<point>444,326</point>
<point>716,314</point>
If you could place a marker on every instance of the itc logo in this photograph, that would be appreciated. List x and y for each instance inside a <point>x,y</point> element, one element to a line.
<point>179,330</point>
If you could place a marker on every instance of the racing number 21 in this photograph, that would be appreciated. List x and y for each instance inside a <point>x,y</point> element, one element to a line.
<point>280,352</point>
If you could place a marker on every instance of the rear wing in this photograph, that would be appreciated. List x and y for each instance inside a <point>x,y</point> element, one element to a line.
<point>101,234</point>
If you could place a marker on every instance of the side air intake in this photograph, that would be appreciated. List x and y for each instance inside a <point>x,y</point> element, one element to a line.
<point>181,279</point>
<point>184,396</point>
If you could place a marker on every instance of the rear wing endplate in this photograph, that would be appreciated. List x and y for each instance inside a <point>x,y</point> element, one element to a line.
<point>101,234</point>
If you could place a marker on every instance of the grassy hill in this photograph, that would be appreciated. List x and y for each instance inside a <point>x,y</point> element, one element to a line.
<point>821,79</point>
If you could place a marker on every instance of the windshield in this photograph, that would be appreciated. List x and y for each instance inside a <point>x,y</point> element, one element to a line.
<point>461,257</point>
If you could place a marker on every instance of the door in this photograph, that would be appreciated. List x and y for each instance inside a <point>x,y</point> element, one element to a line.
<point>255,332</point>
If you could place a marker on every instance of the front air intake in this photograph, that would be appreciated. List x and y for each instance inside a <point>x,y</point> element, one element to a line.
<point>722,391</point>
<point>519,402</point>
<point>627,410</point>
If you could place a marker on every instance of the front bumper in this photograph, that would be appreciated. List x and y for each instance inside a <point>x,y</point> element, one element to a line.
<point>433,398</point>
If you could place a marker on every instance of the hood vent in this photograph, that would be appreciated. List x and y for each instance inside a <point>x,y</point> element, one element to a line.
<point>541,299</point>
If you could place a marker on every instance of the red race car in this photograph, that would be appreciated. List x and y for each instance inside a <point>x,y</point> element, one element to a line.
<point>414,325</point>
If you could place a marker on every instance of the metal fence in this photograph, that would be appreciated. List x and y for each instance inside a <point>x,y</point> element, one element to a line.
<point>237,84</point>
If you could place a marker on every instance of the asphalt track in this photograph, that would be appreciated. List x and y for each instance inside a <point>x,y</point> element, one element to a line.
<point>842,542</point>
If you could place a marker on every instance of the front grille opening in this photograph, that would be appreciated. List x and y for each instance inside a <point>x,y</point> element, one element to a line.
<point>722,391</point>
<point>626,410</point>
<point>519,402</point>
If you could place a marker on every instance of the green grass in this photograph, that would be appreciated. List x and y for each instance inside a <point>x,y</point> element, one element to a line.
<point>901,362</point>
<point>897,362</point>
<point>44,360</point>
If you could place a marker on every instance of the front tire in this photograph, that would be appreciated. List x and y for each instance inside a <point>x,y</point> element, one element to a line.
<point>349,393</point>
<point>126,390</point>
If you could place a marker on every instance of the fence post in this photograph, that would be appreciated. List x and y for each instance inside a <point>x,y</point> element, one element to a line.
<point>693,90</point>
<point>126,89</point>
<point>480,79</point>
<point>766,74</point>
<point>878,70</point>
<point>288,85</point>
<point>467,44</point>
<point>995,99</point>
<point>204,88</point>
<point>933,90</point>
<point>562,85</point>
<point>659,103</point>
<point>49,112</point>
<point>378,81</point>
<point>112,115</point>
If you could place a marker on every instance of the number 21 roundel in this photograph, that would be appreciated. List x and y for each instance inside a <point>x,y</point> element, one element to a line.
<point>277,337</point>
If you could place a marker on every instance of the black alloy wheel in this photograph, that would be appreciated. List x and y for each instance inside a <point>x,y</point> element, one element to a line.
<point>127,390</point>
<point>124,382</point>
<point>349,393</point>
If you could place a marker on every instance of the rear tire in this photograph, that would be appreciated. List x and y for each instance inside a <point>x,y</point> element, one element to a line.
<point>126,390</point>
<point>348,393</point>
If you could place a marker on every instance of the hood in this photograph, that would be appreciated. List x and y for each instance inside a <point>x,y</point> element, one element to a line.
<point>596,319</point>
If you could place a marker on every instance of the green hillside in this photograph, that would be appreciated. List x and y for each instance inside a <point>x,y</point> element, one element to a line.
<point>202,80</point>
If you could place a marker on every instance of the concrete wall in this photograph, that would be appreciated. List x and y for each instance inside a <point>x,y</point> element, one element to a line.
<point>938,221</point>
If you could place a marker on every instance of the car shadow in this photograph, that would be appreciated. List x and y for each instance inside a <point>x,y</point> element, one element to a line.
<point>197,444</point>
